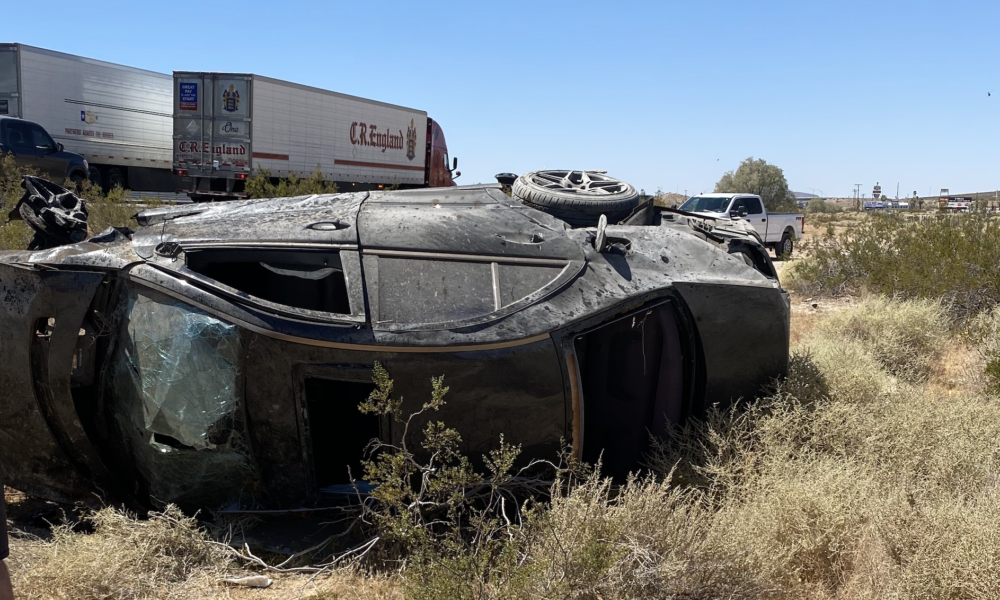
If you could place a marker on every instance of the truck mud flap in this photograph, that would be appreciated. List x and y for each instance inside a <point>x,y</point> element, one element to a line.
<point>43,446</point>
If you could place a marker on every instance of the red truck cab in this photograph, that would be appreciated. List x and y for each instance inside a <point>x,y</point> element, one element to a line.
<point>439,174</point>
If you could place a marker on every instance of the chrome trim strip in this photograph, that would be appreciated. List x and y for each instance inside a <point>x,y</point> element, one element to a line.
<point>504,260</point>
<point>338,345</point>
<point>269,245</point>
<point>495,273</point>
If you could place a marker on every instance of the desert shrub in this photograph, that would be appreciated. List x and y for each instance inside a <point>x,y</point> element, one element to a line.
<point>14,235</point>
<point>948,257</point>
<point>459,532</point>
<point>819,205</point>
<point>870,489</point>
<point>983,333</point>
<point>123,558</point>
<point>906,338</point>
<point>262,185</point>
<point>843,481</point>
<point>114,209</point>
<point>10,181</point>
<point>851,371</point>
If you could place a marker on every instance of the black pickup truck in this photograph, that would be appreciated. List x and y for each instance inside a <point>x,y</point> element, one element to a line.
<point>32,146</point>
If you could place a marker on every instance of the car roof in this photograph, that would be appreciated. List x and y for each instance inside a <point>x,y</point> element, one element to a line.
<point>724,195</point>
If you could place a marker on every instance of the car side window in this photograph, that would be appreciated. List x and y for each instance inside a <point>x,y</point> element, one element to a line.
<point>40,138</point>
<point>753,206</point>
<point>18,140</point>
<point>737,205</point>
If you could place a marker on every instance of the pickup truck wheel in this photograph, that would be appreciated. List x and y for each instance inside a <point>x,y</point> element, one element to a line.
<point>784,249</point>
<point>577,197</point>
<point>77,178</point>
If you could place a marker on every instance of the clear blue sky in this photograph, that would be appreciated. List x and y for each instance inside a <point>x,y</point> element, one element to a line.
<point>661,94</point>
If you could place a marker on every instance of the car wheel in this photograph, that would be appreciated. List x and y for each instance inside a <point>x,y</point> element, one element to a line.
<point>784,249</point>
<point>77,178</point>
<point>116,178</point>
<point>94,175</point>
<point>577,197</point>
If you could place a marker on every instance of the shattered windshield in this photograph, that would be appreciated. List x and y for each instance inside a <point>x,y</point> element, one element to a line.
<point>706,204</point>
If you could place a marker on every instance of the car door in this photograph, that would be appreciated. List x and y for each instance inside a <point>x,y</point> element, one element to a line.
<point>47,155</point>
<point>17,138</point>
<point>756,215</point>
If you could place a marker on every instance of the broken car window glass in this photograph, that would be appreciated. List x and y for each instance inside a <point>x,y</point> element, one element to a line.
<point>174,383</point>
<point>309,280</point>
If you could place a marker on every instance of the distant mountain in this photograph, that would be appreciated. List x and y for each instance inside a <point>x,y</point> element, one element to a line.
<point>804,196</point>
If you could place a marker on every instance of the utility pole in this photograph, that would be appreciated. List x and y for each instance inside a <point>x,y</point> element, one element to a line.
<point>857,196</point>
<point>897,190</point>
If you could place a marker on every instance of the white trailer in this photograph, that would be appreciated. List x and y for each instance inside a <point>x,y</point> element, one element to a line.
<point>117,117</point>
<point>229,126</point>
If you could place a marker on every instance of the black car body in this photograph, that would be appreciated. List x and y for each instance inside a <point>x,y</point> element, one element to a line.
<point>33,147</point>
<point>220,353</point>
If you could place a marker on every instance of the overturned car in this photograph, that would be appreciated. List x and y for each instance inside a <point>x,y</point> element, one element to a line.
<point>218,353</point>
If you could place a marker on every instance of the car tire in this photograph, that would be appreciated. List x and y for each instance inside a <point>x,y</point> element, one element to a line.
<point>77,177</point>
<point>116,178</point>
<point>784,248</point>
<point>94,175</point>
<point>577,197</point>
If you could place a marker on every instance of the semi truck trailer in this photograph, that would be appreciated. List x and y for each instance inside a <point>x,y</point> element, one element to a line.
<point>229,127</point>
<point>118,118</point>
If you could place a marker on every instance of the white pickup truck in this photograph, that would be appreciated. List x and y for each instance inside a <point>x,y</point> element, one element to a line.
<point>777,231</point>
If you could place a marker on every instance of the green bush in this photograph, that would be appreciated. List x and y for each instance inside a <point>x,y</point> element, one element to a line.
<point>262,185</point>
<point>952,258</point>
<point>819,205</point>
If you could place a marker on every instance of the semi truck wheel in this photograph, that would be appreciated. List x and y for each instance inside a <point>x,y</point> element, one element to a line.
<point>116,178</point>
<point>577,197</point>
<point>94,175</point>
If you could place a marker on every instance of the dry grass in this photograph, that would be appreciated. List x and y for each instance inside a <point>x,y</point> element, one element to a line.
<point>856,478</point>
<point>123,558</point>
<point>886,487</point>
<point>165,556</point>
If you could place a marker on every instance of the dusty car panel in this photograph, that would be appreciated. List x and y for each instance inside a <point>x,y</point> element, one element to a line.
<point>231,344</point>
<point>41,315</point>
